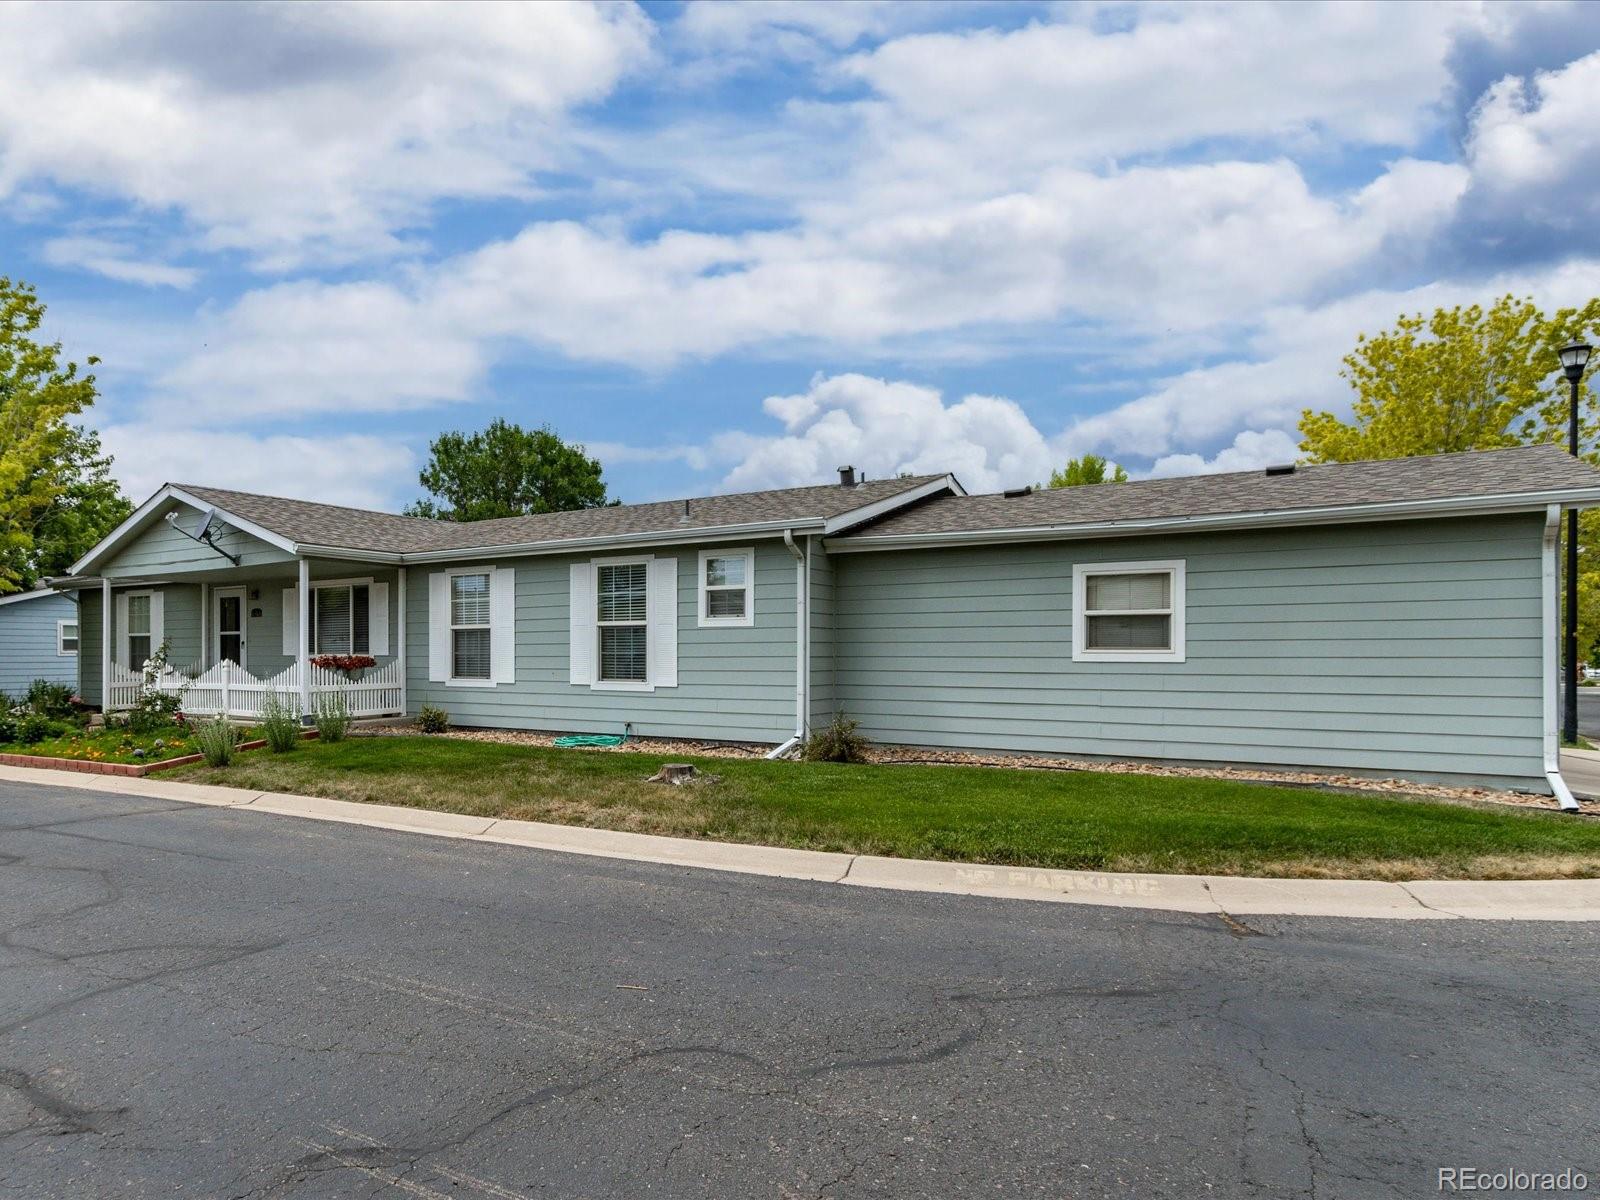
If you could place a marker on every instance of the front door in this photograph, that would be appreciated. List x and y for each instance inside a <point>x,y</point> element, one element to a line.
<point>229,614</point>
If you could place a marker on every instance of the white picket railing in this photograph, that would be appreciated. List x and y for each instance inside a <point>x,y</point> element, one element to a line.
<point>230,689</point>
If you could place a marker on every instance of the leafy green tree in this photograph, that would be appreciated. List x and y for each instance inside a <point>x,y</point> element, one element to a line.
<point>1470,379</point>
<point>1091,468</point>
<point>507,471</point>
<point>89,506</point>
<point>37,395</point>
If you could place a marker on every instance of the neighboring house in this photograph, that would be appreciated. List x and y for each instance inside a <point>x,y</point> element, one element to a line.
<point>1389,617</point>
<point>38,640</point>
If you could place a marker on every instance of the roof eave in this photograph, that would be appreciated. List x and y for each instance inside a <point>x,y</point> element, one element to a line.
<point>1269,518</point>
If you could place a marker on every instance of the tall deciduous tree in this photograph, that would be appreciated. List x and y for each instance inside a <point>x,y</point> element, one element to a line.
<point>37,395</point>
<point>1091,468</point>
<point>1470,379</point>
<point>88,506</point>
<point>507,471</point>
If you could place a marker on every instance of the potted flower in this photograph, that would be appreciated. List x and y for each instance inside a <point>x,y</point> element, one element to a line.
<point>351,666</point>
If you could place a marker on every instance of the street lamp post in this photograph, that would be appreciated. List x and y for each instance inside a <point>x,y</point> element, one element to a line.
<point>1574,358</point>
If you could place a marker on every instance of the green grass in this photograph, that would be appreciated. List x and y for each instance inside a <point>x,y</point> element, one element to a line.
<point>1068,819</point>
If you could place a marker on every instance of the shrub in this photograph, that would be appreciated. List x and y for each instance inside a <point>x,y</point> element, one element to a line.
<point>154,711</point>
<point>332,717</point>
<point>8,726</point>
<point>217,740</point>
<point>49,699</point>
<point>34,728</point>
<point>433,720</point>
<point>838,741</point>
<point>279,724</point>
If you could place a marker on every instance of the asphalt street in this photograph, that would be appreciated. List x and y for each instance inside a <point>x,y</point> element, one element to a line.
<point>198,1002</point>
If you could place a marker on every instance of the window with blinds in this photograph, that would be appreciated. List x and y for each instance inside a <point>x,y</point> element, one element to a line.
<point>622,611</point>
<point>725,587</point>
<point>341,619</point>
<point>1132,612</point>
<point>469,627</point>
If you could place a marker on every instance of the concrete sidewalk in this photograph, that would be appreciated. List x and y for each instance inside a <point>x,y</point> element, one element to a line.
<point>1534,900</point>
<point>1581,770</point>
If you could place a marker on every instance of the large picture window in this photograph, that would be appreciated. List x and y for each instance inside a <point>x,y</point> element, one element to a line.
<point>470,608</point>
<point>1128,612</point>
<point>622,613</point>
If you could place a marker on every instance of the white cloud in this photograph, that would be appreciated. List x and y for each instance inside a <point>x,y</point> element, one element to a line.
<point>304,130</point>
<point>1250,451</point>
<point>353,469</point>
<point>885,428</point>
<point>308,348</point>
<point>1534,145</point>
<point>104,256</point>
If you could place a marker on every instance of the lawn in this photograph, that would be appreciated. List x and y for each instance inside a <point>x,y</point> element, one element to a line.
<point>1068,819</point>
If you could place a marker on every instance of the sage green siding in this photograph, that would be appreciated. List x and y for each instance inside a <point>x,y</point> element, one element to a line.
<point>89,645</point>
<point>29,646</point>
<point>734,683</point>
<point>822,635</point>
<point>161,549</point>
<point>1410,647</point>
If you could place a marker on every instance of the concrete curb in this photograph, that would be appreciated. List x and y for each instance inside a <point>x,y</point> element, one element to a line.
<point>1533,900</point>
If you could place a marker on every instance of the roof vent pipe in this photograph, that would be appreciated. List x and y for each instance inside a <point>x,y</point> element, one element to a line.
<point>847,477</point>
<point>684,519</point>
<point>1281,469</point>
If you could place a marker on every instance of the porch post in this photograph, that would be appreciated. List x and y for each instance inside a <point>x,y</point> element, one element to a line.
<point>303,596</point>
<point>400,635</point>
<point>105,644</point>
<point>205,611</point>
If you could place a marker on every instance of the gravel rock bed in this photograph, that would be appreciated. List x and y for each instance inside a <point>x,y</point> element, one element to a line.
<point>889,755</point>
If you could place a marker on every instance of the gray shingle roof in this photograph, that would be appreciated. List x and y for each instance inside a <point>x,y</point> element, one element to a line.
<point>308,523</point>
<point>1480,473</point>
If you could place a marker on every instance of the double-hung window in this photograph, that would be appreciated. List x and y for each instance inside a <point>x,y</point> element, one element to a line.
<point>470,610</point>
<point>1128,612</point>
<point>726,587</point>
<point>66,637</point>
<point>138,631</point>
<point>622,615</point>
<point>341,619</point>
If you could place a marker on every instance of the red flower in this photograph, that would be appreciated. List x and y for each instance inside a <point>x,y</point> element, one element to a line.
<point>344,662</point>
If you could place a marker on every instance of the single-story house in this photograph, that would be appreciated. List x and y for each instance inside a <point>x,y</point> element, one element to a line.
<point>1389,617</point>
<point>38,640</point>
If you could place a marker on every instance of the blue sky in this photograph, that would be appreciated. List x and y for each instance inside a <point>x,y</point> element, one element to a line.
<point>730,246</point>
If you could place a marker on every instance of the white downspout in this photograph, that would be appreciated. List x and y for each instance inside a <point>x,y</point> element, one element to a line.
<point>802,646</point>
<point>1552,662</point>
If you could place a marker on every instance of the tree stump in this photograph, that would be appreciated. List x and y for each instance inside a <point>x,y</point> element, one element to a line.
<point>676,774</point>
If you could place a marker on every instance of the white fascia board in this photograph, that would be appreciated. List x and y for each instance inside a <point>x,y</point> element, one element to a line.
<point>667,537</point>
<point>36,594</point>
<point>1344,515</point>
<point>306,550</point>
<point>880,508</point>
<point>137,519</point>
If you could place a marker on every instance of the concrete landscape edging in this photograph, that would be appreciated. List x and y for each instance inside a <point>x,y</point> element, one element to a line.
<point>1509,900</point>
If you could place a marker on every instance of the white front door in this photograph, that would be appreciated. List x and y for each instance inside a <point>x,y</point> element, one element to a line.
<point>228,645</point>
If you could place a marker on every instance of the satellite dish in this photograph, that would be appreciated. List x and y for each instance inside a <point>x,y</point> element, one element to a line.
<point>205,523</point>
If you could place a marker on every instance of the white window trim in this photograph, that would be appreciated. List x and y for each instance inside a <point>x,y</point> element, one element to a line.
<point>61,639</point>
<point>127,634</point>
<point>647,684</point>
<point>449,616</point>
<point>706,619</point>
<point>317,585</point>
<point>1080,625</point>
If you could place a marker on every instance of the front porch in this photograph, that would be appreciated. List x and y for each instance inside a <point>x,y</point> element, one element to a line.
<point>227,689</point>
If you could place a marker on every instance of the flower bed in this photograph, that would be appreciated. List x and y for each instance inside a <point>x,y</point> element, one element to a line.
<point>97,761</point>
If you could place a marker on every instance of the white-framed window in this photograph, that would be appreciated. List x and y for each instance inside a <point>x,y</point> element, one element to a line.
<point>139,628</point>
<point>341,617</point>
<point>471,622</point>
<point>66,638</point>
<point>727,587</point>
<point>1128,611</point>
<point>622,621</point>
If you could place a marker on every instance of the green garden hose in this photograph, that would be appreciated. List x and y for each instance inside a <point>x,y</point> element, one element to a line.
<point>572,740</point>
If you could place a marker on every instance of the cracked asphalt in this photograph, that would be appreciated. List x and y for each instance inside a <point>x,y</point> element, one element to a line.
<point>197,1002</point>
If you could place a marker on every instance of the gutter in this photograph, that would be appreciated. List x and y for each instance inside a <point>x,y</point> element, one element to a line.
<point>802,643</point>
<point>1266,518</point>
<point>1552,661</point>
